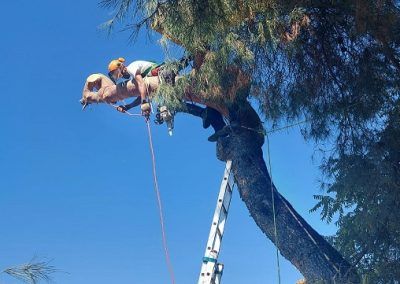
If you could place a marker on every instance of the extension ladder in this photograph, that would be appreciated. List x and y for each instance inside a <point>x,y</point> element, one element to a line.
<point>211,271</point>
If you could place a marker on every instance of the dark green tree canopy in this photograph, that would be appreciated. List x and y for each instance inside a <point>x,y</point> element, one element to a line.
<point>333,64</point>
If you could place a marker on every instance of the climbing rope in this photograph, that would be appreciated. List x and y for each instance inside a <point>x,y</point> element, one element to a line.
<point>286,126</point>
<point>274,214</point>
<point>159,203</point>
<point>337,270</point>
<point>288,207</point>
<point>309,235</point>
<point>158,195</point>
<point>345,108</point>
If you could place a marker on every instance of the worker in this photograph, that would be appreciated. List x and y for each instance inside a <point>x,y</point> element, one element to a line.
<point>136,72</point>
<point>99,88</point>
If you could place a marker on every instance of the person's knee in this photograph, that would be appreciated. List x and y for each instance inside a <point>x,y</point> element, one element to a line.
<point>108,96</point>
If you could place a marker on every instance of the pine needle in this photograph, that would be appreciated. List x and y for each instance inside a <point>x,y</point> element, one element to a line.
<point>32,272</point>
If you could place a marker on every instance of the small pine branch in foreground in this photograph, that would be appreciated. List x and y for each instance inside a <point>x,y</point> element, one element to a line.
<point>32,272</point>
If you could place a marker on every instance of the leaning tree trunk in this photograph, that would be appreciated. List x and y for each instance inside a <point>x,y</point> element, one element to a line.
<point>308,251</point>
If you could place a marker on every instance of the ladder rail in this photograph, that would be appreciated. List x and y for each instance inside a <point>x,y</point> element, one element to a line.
<point>211,271</point>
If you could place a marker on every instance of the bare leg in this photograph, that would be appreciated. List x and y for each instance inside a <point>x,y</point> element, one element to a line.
<point>91,97</point>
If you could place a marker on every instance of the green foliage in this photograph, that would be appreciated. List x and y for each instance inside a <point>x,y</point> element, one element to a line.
<point>335,64</point>
<point>368,185</point>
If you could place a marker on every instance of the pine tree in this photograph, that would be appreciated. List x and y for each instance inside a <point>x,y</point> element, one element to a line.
<point>333,64</point>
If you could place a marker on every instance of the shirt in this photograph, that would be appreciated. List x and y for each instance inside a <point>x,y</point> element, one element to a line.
<point>140,67</point>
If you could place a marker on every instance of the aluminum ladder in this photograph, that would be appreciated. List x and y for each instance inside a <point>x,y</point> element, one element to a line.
<point>211,270</point>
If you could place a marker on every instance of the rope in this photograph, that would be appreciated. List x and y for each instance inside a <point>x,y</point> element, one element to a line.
<point>159,203</point>
<point>265,132</point>
<point>295,217</point>
<point>126,112</point>
<point>310,236</point>
<point>274,214</point>
<point>286,126</point>
<point>336,268</point>
<point>160,211</point>
<point>307,120</point>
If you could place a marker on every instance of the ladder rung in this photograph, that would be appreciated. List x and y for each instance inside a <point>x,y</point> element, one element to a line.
<point>209,259</point>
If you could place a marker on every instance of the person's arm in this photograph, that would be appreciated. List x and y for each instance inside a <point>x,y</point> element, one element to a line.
<point>141,86</point>
<point>145,106</point>
<point>127,107</point>
<point>136,102</point>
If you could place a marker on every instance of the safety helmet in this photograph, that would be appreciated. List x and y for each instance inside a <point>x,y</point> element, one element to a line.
<point>115,64</point>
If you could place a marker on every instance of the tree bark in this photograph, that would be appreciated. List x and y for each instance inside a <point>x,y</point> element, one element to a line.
<point>298,242</point>
<point>308,251</point>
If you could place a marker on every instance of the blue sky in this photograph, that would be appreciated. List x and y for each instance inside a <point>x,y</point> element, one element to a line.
<point>76,187</point>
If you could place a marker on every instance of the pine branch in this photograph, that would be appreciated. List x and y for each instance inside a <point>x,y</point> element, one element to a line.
<point>32,272</point>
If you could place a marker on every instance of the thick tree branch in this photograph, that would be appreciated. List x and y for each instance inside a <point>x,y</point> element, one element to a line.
<point>315,258</point>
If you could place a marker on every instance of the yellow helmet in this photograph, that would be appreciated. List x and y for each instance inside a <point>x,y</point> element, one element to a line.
<point>115,64</point>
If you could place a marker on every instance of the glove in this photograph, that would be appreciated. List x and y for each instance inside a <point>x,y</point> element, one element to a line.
<point>145,107</point>
<point>121,108</point>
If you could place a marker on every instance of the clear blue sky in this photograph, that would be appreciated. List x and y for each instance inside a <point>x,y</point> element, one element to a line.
<point>76,187</point>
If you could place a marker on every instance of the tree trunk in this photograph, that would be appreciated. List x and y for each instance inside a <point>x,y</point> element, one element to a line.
<point>308,251</point>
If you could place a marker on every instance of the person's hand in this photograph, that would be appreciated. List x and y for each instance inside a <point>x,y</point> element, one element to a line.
<point>121,109</point>
<point>145,108</point>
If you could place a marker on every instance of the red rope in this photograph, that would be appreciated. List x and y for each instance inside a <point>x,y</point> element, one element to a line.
<point>161,215</point>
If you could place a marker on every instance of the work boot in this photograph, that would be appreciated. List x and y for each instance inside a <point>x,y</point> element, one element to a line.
<point>212,117</point>
<point>217,121</point>
<point>224,132</point>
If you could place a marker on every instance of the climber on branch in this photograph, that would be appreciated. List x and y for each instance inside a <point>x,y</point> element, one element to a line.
<point>142,79</point>
<point>137,71</point>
